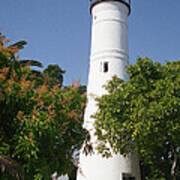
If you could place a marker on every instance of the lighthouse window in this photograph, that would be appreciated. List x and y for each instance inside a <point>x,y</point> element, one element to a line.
<point>105,67</point>
<point>128,177</point>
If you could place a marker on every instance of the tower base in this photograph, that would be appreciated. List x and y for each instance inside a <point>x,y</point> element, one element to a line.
<point>118,167</point>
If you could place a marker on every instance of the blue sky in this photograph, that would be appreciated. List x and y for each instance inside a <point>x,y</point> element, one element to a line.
<point>58,32</point>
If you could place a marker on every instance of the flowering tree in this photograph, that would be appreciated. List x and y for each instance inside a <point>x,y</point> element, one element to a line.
<point>41,127</point>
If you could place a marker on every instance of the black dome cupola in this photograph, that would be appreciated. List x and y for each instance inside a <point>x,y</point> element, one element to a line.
<point>126,2</point>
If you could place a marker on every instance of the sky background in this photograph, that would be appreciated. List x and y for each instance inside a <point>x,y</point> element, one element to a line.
<point>59,31</point>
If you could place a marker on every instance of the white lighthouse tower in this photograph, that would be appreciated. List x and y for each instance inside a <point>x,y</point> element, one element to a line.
<point>109,56</point>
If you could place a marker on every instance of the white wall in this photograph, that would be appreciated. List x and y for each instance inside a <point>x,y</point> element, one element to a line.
<point>109,44</point>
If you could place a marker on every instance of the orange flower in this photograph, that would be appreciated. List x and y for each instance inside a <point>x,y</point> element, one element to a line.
<point>75,85</point>
<point>13,49</point>
<point>30,138</point>
<point>83,105</point>
<point>6,40</point>
<point>2,77</point>
<point>2,48</point>
<point>72,115</point>
<point>25,85</point>
<point>40,101</point>
<point>62,111</point>
<point>80,116</point>
<point>4,70</point>
<point>51,111</point>
<point>41,90</point>
<point>34,115</point>
<point>8,54</point>
<point>20,115</point>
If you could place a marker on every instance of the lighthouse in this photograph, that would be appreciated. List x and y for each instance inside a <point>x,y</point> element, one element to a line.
<point>108,57</point>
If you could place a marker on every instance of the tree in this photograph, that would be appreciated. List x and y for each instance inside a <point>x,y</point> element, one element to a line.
<point>142,115</point>
<point>41,127</point>
<point>55,74</point>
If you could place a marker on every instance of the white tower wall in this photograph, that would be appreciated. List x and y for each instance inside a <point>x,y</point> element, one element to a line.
<point>109,45</point>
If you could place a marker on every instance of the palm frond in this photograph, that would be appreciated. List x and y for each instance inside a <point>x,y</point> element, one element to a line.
<point>31,63</point>
<point>19,44</point>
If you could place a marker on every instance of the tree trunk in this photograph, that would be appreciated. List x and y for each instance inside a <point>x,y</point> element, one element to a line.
<point>173,168</point>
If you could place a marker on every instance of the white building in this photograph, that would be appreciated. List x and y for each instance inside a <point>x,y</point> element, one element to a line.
<point>109,56</point>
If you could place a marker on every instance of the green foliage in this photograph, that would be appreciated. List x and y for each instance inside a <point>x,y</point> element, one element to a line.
<point>55,74</point>
<point>142,115</point>
<point>41,126</point>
